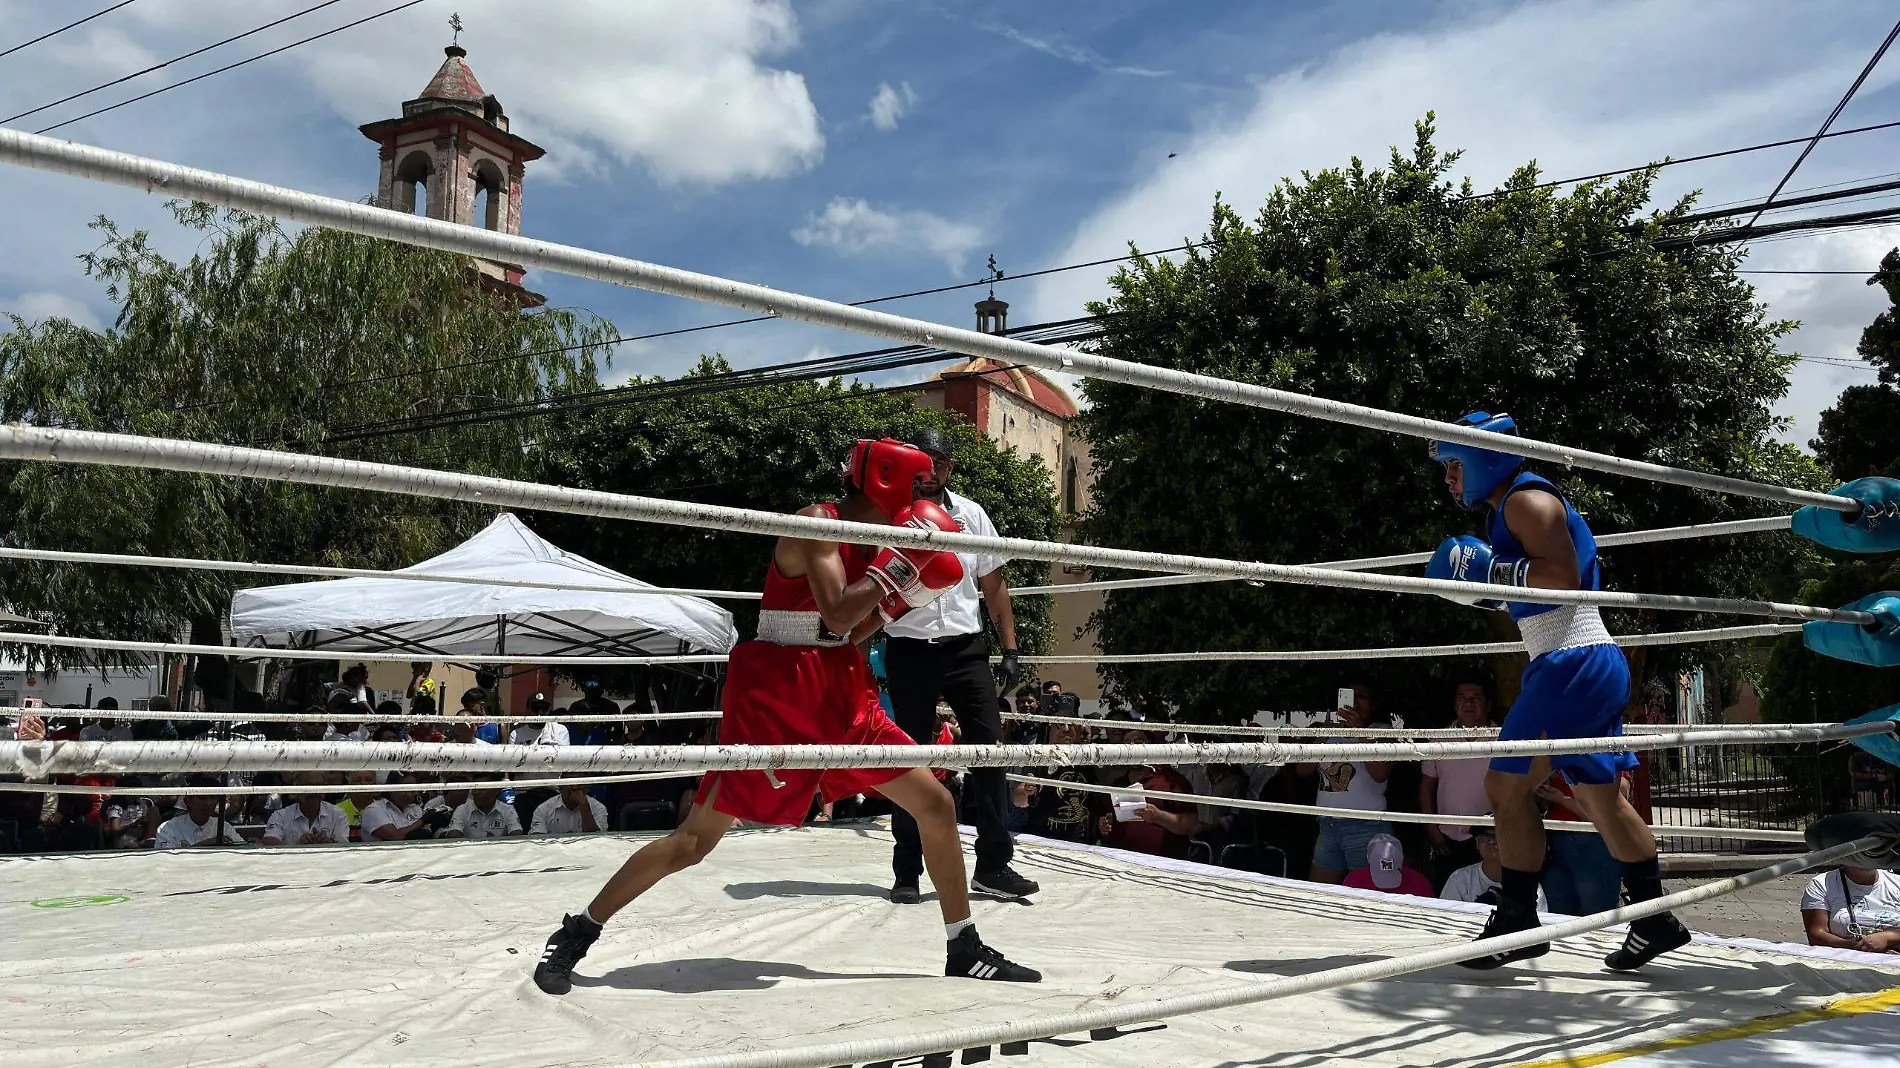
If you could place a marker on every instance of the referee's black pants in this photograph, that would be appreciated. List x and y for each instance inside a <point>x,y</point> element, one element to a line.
<point>957,669</point>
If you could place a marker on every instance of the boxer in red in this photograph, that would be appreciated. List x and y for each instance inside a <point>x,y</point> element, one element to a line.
<point>803,680</point>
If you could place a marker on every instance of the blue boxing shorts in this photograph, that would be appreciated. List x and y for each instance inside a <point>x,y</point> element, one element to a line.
<point>1578,692</point>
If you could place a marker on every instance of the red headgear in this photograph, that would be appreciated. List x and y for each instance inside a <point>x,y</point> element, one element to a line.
<point>886,471</point>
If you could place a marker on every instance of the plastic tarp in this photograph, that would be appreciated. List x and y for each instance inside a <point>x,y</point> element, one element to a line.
<point>420,955</point>
<point>374,614</point>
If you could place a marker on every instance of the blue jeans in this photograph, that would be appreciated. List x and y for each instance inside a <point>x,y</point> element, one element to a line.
<point>1342,842</point>
<point>1581,876</point>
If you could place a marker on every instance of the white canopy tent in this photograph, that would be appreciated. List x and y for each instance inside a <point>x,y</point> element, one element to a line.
<point>443,619</point>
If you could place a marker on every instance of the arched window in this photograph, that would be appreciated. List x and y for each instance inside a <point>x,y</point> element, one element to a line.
<point>412,183</point>
<point>1071,487</point>
<point>490,195</point>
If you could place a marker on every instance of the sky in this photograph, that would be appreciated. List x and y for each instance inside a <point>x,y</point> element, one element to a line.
<point>855,148</point>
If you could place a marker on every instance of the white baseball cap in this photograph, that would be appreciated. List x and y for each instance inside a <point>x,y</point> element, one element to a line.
<point>1386,857</point>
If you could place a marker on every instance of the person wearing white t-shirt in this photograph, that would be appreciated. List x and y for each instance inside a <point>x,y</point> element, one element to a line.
<point>1456,788</point>
<point>571,811</point>
<point>400,816</point>
<point>1342,842</point>
<point>311,821</point>
<point>198,825</point>
<point>538,729</point>
<point>1480,882</point>
<point>1853,908</point>
<point>484,816</point>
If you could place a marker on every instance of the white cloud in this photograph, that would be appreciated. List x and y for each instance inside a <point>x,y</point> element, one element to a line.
<point>890,105</point>
<point>1068,53</point>
<point>40,305</point>
<point>853,226</point>
<point>684,90</point>
<point>1632,80</point>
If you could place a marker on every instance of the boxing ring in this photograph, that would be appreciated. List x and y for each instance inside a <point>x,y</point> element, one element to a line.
<point>785,952</point>
<point>415,955</point>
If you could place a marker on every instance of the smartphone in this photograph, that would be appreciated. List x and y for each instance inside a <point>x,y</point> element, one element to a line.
<point>1345,697</point>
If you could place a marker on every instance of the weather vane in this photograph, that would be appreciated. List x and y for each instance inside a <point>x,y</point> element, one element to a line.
<point>995,275</point>
<point>455,23</point>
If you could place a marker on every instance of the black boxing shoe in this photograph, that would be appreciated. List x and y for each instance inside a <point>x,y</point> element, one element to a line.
<point>1648,939</point>
<point>1507,919</point>
<point>565,948</point>
<point>905,892</point>
<point>969,958</point>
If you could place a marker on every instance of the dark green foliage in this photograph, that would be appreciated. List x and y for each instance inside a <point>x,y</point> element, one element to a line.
<point>775,448</point>
<point>1391,288</point>
<point>271,339</point>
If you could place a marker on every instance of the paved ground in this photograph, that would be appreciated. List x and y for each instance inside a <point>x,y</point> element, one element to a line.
<point>1770,911</point>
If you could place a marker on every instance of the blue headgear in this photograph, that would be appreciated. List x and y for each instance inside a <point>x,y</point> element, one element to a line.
<point>1484,469</point>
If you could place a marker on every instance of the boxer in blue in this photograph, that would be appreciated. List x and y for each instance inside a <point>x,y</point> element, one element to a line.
<point>1576,686</point>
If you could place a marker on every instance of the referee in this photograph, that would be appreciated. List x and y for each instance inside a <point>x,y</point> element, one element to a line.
<point>939,651</point>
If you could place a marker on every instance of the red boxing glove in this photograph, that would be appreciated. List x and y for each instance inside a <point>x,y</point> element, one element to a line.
<point>912,577</point>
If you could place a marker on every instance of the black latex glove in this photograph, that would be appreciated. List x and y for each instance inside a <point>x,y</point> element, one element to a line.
<point>1010,671</point>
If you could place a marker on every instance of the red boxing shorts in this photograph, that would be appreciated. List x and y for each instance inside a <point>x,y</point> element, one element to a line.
<point>798,695</point>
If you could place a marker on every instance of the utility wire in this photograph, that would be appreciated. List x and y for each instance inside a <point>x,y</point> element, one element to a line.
<point>1872,62</point>
<point>233,66</point>
<point>162,66</point>
<point>68,26</point>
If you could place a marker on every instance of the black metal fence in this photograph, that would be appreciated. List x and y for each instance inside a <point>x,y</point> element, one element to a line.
<point>1778,786</point>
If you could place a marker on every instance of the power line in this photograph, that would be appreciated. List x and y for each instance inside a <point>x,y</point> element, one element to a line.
<point>68,26</point>
<point>167,63</point>
<point>1831,116</point>
<point>234,66</point>
<point>697,385</point>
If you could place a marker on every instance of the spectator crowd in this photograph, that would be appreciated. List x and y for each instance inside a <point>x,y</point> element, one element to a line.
<point>1352,844</point>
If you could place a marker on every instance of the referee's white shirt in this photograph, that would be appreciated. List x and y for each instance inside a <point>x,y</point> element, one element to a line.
<point>959,610</point>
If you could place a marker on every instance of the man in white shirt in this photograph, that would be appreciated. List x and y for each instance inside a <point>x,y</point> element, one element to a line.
<point>1479,882</point>
<point>1342,842</point>
<point>538,729</point>
<point>939,652</point>
<point>105,729</point>
<point>311,821</point>
<point>1456,788</point>
<point>484,816</point>
<point>199,824</point>
<point>572,811</point>
<point>399,815</point>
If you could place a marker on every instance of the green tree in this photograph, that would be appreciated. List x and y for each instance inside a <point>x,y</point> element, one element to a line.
<point>775,448</point>
<point>261,338</point>
<point>1393,288</point>
<point>1854,441</point>
<point>1855,437</point>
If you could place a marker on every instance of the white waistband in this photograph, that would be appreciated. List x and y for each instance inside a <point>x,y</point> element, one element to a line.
<point>781,627</point>
<point>1568,626</point>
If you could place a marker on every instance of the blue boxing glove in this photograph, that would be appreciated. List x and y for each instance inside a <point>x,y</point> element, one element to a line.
<point>1468,559</point>
<point>1876,643</point>
<point>1875,529</point>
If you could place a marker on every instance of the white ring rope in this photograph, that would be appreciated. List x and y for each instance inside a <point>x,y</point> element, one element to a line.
<point>125,450</point>
<point>1439,819</point>
<point>39,759</point>
<point>1406,652</point>
<point>153,176</point>
<point>1638,537</point>
<point>317,571</point>
<point>1157,726</point>
<point>444,719</point>
<point>257,652</point>
<point>1374,563</point>
<point>292,789</point>
<point>925,1043</point>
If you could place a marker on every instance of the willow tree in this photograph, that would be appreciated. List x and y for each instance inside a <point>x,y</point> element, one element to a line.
<point>316,341</point>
